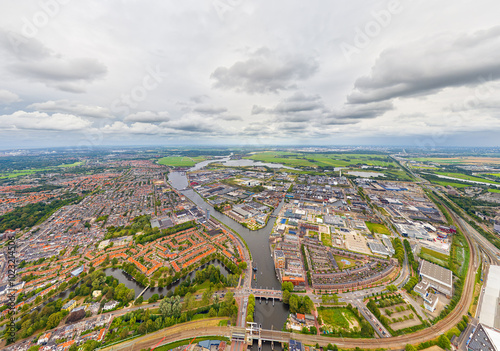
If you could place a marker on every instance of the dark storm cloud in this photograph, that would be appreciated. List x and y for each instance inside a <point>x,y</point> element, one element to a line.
<point>431,65</point>
<point>265,72</point>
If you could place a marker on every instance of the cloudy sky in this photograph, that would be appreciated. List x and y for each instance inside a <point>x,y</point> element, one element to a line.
<point>249,72</point>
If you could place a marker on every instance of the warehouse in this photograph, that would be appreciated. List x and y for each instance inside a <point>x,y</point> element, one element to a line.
<point>489,314</point>
<point>439,278</point>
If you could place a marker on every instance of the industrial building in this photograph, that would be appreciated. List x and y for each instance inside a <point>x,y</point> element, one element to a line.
<point>490,299</point>
<point>439,278</point>
<point>484,339</point>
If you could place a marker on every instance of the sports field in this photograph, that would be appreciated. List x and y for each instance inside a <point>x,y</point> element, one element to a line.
<point>180,161</point>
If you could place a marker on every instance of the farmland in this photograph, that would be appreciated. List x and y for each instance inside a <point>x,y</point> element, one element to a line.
<point>466,160</point>
<point>180,161</point>
<point>465,177</point>
<point>322,160</point>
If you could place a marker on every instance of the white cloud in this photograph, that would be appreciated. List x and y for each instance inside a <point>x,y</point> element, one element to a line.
<point>43,121</point>
<point>148,116</point>
<point>72,107</point>
<point>8,97</point>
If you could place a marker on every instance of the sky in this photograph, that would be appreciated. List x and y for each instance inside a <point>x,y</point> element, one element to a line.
<point>249,72</point>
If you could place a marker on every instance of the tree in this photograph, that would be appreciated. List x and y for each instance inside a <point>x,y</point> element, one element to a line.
<point>409,347</point>
<point>139,300</point>
<point>294,303</point>
<point>54,320</point>
<point>286,296</point>
<point>212,313</point>
<point>287,286</point>
<point>444,342</point>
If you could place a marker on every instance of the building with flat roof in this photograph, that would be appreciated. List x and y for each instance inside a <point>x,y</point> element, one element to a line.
<point>377,248</point>
<point>439,278</point>
<point>490,311</point>
<point>68,306</point>
<point>484,339</point>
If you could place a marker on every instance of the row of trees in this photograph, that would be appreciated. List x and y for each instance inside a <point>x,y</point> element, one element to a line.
<point>250,308</point>
<point>155,233</point>
<point>409,253</point>
<point>399,250</point>
<point>27,216</point>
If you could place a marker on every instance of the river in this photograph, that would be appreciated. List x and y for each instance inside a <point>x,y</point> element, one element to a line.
<point>258,243</point>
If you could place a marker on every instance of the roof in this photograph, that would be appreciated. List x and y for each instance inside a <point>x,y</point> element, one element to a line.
<point>490,313</point>
<point>437,273</point>
<point>484,339</point>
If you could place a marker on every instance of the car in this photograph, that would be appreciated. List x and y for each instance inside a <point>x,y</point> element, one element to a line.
<point>380,329</point>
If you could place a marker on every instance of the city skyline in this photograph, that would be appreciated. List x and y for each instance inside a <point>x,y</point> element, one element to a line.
<point>249,73</point>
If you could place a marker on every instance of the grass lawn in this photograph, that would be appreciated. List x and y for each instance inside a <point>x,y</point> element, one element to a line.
<point>377,228</point>
<point>337,317</point>
<point>180,161</point>
<point>326,239</point>
<point>494,191</point>
<point>343,265</point>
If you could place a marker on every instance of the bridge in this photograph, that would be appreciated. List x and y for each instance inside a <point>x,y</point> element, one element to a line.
<point>253,331</point>
<point>267,294</point>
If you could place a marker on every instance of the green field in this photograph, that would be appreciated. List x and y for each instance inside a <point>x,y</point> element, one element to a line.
<point>466,177</point>
<point>18,173</point>
<point>179,161</point>
<point>434,256</point>
<point>450,183</point>
<point>493,174</point>
<point>337,318</point>
<point>79,163</point>
<point>494,191</point>
<point>326,239</point>
<point>377,228</point>
<point>314,160</point>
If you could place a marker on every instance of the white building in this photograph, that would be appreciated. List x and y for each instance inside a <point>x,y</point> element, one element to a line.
<point>490,313</point>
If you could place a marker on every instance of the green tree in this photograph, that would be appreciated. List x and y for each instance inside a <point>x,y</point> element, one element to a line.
<point>444,342</point>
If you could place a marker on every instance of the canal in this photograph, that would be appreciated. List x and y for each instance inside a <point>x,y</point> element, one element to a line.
<point>258,242</point>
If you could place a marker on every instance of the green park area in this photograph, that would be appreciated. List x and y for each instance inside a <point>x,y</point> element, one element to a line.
<point>326,239</point>
<point>180,161</point>
<point>434,256</point>
<point>343,322</point>
<point>377,228</point>
<point>494,191</point>
<point>345,262</point>
<point>18,173</point>
<point>294,159</point>
<point>75,164</point>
